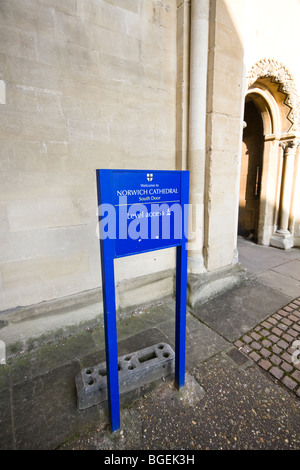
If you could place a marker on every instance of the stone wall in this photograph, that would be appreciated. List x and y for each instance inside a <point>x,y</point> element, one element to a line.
<point>84,85</point>
<point>88,84</point>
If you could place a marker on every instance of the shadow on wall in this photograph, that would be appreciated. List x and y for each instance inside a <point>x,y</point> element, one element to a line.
<point>251,172</point>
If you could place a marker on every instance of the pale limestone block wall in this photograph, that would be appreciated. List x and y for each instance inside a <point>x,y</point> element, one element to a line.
<point>225,90</point>
<point>84,85</point>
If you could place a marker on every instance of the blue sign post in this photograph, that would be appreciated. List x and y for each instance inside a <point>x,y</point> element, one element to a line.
<point>141,211</point>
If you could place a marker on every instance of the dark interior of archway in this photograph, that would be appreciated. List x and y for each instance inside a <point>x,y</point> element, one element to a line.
<point>251,171</point>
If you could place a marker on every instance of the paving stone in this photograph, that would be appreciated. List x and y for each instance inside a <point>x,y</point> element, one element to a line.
<point>282,326</point>
<point>265,364</point>
<point>246,349</point>
<point>274,338</point>
<point>276,349</point>
<point>241,309</point>
<point>287,357</point>
<point>283,313</point>
<point>293,318</point>
<point>290,383</point>
<point>287,337</point>
<point>278,373</point>
<point>255,345</point>
<point>267,325</point>
<point>266,343</point>
<point>264,332</point>
<point>293,332</point>
<point>256,357</point>
<point>283,344</point>
<point>46,410</point>
<point>286,367</point>
<point>275,359</point>
<point>296,375</point>
<point>265,353</point>
<point>255,336</point>
<point>276,331</point>
<point>238,357</point>
<point>247,339</point>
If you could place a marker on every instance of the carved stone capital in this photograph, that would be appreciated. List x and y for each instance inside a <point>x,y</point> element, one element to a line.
<point>290,146</point>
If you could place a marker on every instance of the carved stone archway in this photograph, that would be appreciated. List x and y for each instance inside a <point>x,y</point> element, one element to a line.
<point>278,73</point>
<point>272,89</point>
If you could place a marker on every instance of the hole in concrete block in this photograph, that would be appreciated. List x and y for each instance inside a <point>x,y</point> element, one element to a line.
<point>89,371</point>
<point>131,367</point>
<point>166,354</point>
<point>161,346</point>
<point>147,357</point>
<point>90,381</point>
<point>102,372</point>
<point>127,358</point>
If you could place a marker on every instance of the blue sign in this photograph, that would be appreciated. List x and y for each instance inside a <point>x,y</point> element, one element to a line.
<point>141,211</point>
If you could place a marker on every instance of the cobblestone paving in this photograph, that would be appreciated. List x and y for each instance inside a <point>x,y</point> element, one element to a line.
<point>274,344</point>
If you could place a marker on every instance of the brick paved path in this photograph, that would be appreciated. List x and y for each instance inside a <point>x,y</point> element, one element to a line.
<point>274,344</point>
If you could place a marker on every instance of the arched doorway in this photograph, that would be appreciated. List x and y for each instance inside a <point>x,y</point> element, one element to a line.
<point>251,171</point>
<point>272,122</point>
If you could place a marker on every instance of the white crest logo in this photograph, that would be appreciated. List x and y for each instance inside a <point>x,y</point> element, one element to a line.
<point>149,176</point>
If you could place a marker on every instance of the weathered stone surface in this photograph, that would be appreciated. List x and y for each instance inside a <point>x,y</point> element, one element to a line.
<point>135,370</point>
<point>84,85</point>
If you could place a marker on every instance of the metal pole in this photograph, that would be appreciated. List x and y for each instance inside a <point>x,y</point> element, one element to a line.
<point>109,308</point>
<point>181,288</point>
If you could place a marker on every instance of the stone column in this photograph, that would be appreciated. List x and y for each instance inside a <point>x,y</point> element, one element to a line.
<point>283,238</point>
<point>182,89</point>
<point>197,130</point>
<point>215,136</point>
